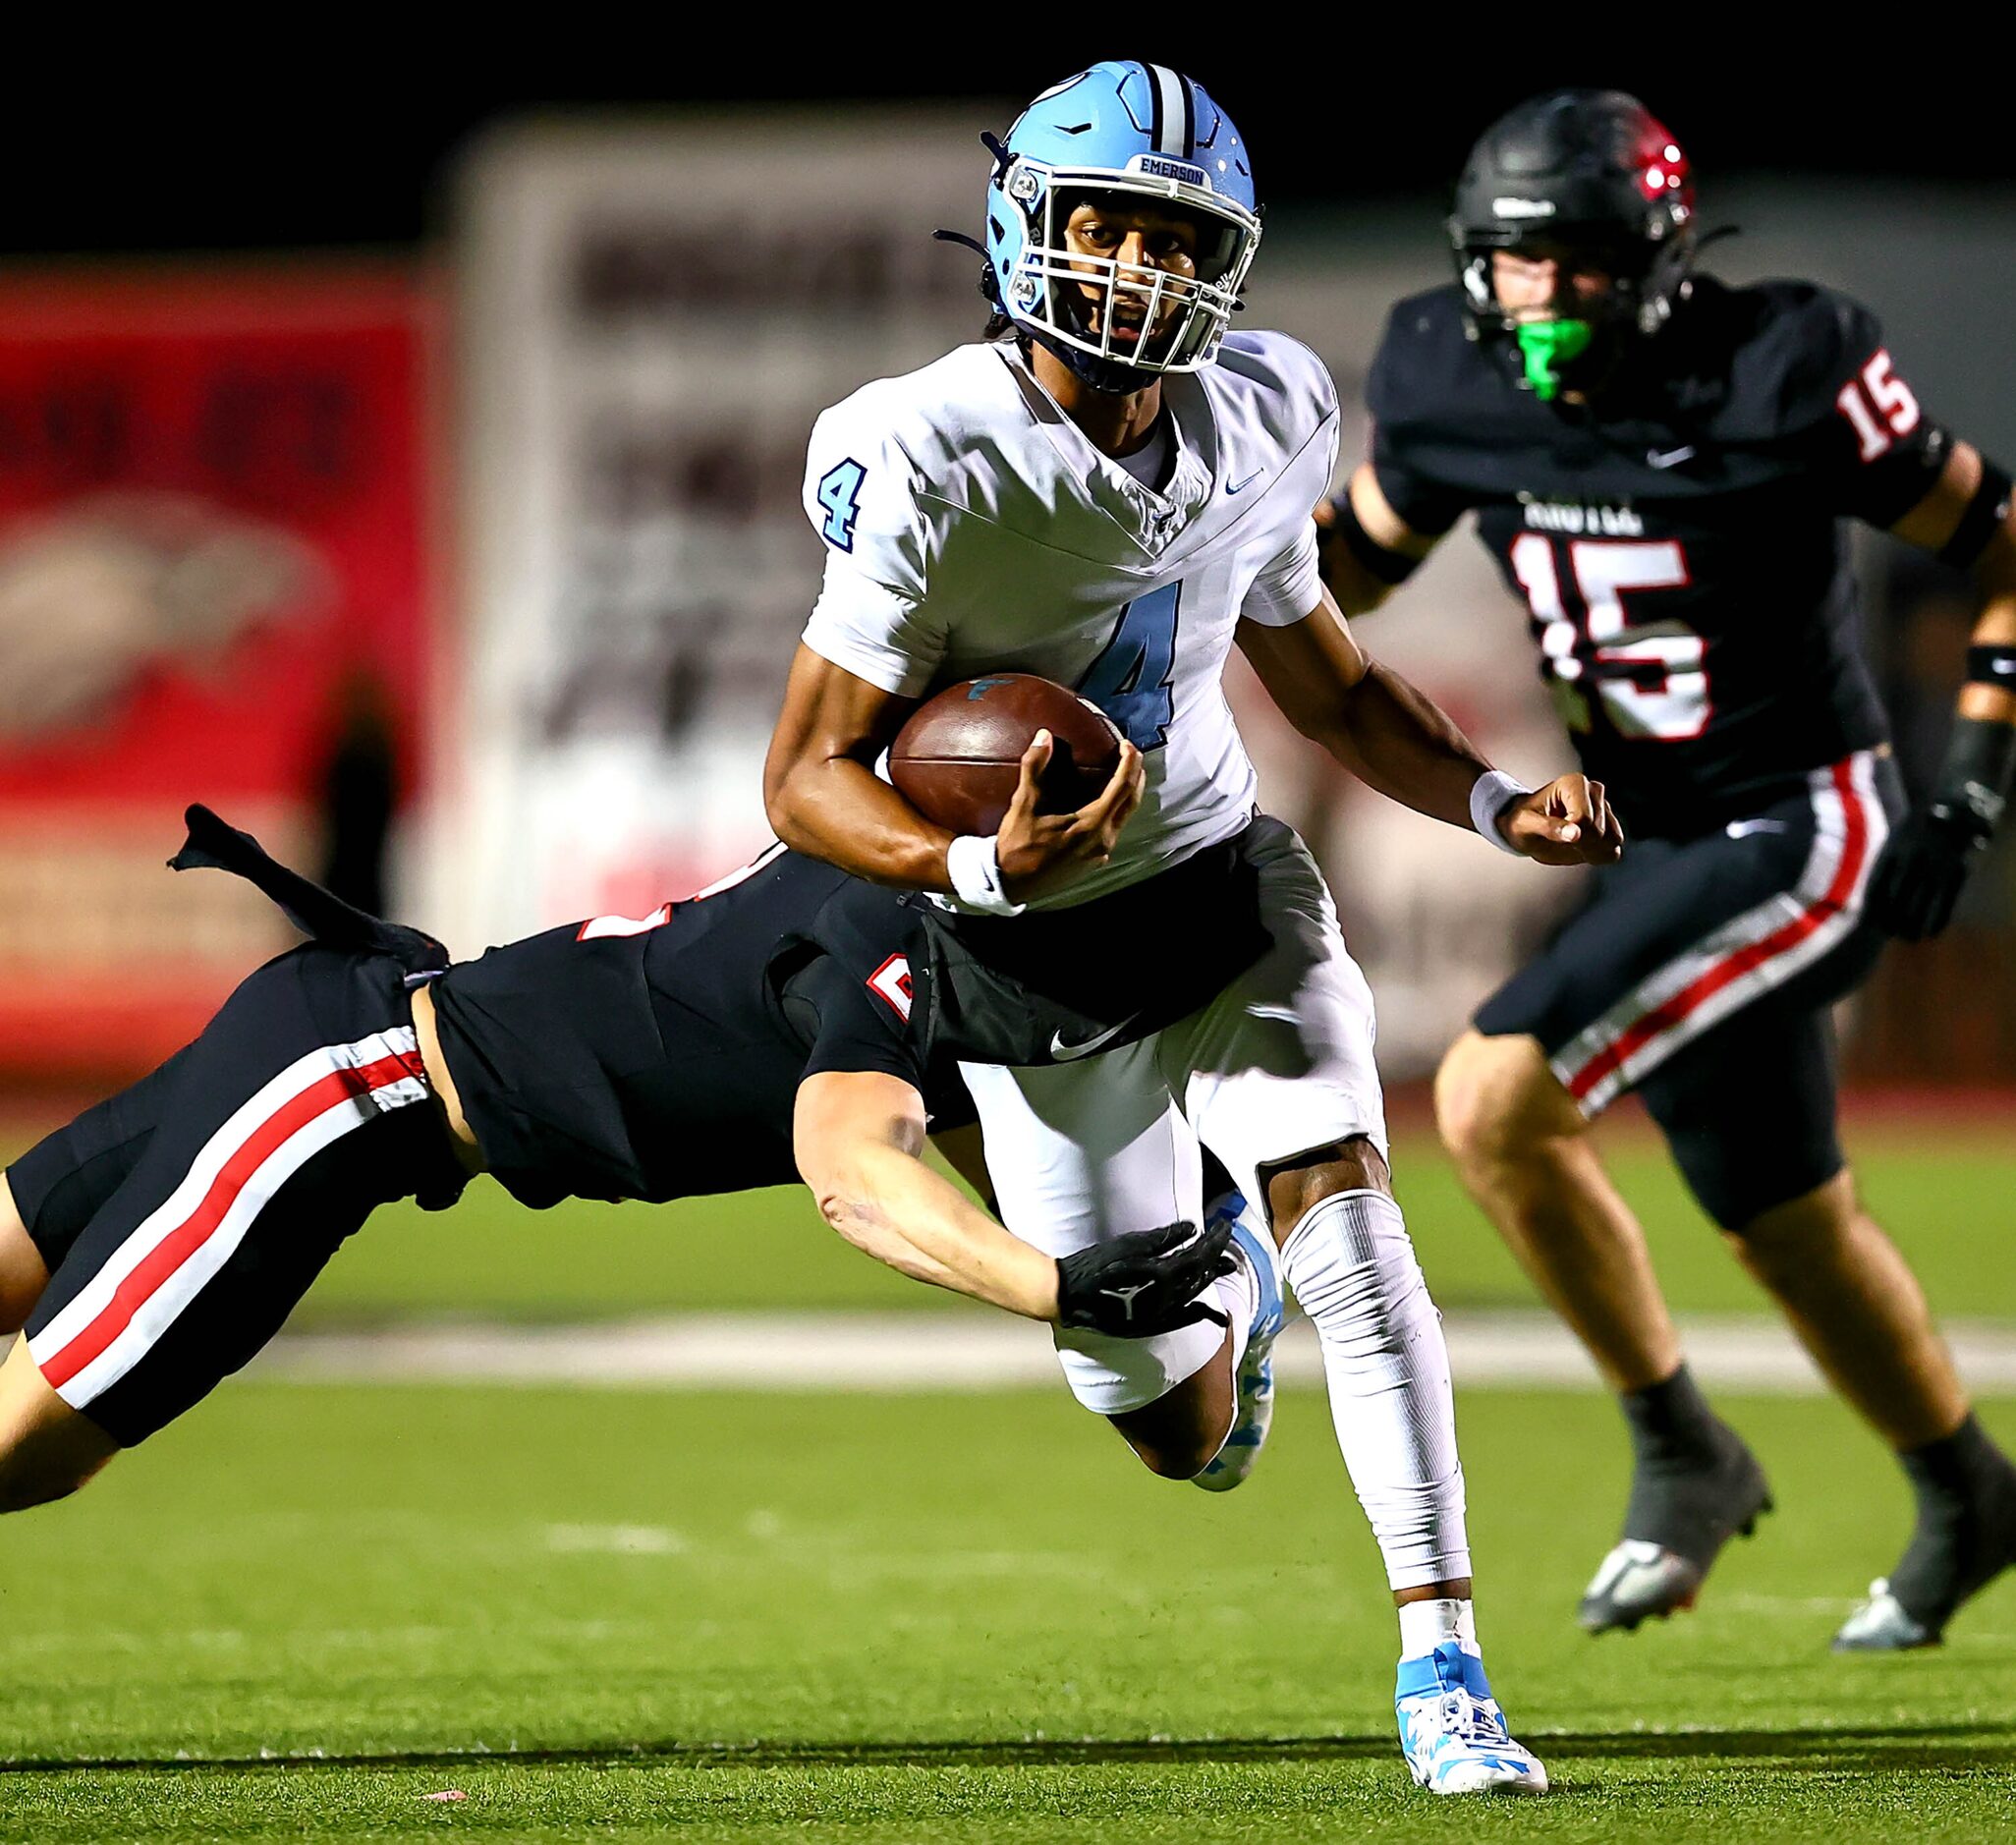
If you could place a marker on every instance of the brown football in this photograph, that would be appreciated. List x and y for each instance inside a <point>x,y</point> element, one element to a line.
<point>958,758</point>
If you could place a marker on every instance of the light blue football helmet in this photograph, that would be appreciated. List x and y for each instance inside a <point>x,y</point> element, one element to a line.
<point>1147,133</point>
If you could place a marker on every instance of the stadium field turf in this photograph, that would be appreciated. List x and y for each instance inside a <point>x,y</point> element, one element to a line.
<point>1946,1192</point>
<point>311,1611</point>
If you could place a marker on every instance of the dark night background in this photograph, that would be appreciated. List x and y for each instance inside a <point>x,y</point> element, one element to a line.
<point>246,145</point>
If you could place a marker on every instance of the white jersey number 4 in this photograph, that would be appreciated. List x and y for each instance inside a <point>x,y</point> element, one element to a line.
<point>1651,676</point>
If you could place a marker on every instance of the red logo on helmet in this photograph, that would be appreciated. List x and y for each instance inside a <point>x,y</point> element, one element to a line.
<point>1663,171</point>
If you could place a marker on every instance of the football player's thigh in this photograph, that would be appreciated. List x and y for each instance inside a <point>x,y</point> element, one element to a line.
<point>1083,1151</point>
<point>1079,1152</point>
<point>1281,1062</point>
<point>49,1193</point>
<point>22,1273</point>
<point>1749,1111</point>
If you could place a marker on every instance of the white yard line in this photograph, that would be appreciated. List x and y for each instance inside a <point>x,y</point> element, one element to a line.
<point>900,1352</point>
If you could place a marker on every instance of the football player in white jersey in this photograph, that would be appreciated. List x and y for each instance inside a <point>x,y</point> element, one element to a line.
<point>1110,491</point>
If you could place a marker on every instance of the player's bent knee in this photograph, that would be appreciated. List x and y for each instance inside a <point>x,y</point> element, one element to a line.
<point>30,1480</point>
<point>1295,1187</point>
<point>1498,1098</point>
<point>1179,1435</point>
<point>1798,1226</point>
<point>1180,1462</point>
<point>47,1449</point>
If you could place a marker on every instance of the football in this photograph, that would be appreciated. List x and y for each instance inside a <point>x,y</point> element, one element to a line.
<point>959,757</point>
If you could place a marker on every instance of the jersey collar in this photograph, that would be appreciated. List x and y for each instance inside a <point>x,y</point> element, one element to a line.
<point>1154,520</point>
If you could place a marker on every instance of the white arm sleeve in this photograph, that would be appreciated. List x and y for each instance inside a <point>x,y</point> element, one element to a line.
<point>861,494</point>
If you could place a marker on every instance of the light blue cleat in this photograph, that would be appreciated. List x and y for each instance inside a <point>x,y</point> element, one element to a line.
<point>1255,1383</point>
<point>1453,1733</point>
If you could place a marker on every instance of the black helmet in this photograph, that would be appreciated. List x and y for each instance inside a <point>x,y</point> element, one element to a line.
<point>1589,170</point>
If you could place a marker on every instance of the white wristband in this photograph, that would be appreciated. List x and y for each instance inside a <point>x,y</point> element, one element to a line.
<point>975,872</point>
<point>1492,793</point>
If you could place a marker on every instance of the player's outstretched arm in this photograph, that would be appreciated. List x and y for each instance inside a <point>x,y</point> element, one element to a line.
<point>1968,519</point>
<point>859,1136</point>
<point>1394,738</point>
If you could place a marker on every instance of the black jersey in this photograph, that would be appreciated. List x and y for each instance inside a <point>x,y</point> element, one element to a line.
<point>658,1058</point>
<point>1680,549</point>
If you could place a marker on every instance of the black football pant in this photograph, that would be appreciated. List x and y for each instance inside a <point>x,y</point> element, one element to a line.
<point>181,1219</point>
<point>1701,973</point>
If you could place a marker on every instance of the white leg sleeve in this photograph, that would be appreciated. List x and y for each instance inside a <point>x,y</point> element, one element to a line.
<point>1352,1267</point>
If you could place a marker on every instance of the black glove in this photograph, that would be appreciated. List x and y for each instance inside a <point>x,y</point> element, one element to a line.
<point>1921,870</point>
<point>1144,1282</point>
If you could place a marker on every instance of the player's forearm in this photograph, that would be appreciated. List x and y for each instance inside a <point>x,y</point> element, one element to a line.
<point>892,1206</point>
<point>1395,739</point>
<point>1990,695</point>
<point>836,810</point>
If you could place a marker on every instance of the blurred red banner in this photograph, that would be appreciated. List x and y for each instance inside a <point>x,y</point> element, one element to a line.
<point>213,570</point>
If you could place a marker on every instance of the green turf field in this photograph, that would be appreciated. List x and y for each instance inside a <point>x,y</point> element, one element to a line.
<point>921,1619</point>
<point>1948,1197</point>
<point>307,1609</point>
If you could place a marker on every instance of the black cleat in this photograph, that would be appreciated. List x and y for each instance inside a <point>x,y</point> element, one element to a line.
<point>1683,1510</point>
<point>1964,1539</point>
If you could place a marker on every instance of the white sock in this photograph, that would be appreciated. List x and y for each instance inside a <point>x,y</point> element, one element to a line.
<point>1353,1268</point>
<point>1426,1625</point>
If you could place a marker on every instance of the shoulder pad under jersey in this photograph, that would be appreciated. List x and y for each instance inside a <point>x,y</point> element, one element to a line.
<point>1798,345</point>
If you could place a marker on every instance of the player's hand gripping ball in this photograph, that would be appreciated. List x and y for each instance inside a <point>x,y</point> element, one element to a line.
<point>958,758</point>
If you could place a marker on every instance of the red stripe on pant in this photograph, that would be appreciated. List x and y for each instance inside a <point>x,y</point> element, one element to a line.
<point>189,1236</point>
<point>1664,1017</point>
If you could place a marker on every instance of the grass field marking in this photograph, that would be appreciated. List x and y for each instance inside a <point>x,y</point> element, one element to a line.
<point>864,1566</point>
<point>634,1540</point>
<point>901,1353</point>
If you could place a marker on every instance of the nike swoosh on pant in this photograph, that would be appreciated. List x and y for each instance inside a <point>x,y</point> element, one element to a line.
<point>1066,1054</point>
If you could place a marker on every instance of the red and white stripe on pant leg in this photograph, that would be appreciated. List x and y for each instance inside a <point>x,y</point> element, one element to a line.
<point>153,1276</point>
<point>1748,955</point>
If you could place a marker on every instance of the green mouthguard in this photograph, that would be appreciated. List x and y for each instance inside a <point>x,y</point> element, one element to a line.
<point>1548,345</point>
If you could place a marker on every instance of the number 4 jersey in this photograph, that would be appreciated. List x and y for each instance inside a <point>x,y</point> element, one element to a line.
<point>1679,553</point>
<point>971,527</point>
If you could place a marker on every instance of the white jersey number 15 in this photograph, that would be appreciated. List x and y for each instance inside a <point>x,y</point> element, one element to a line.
<point>1649,675</point>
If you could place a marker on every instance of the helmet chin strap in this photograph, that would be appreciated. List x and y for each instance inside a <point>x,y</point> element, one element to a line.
<point>1547,347</point>
<point>1113,376</point>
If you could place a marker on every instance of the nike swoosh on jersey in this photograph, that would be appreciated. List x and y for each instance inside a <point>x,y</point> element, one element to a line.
<point>1066,1054</point>
<point>1239,486</point>
<point>1742,829</point>
<point>1669,457</point>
